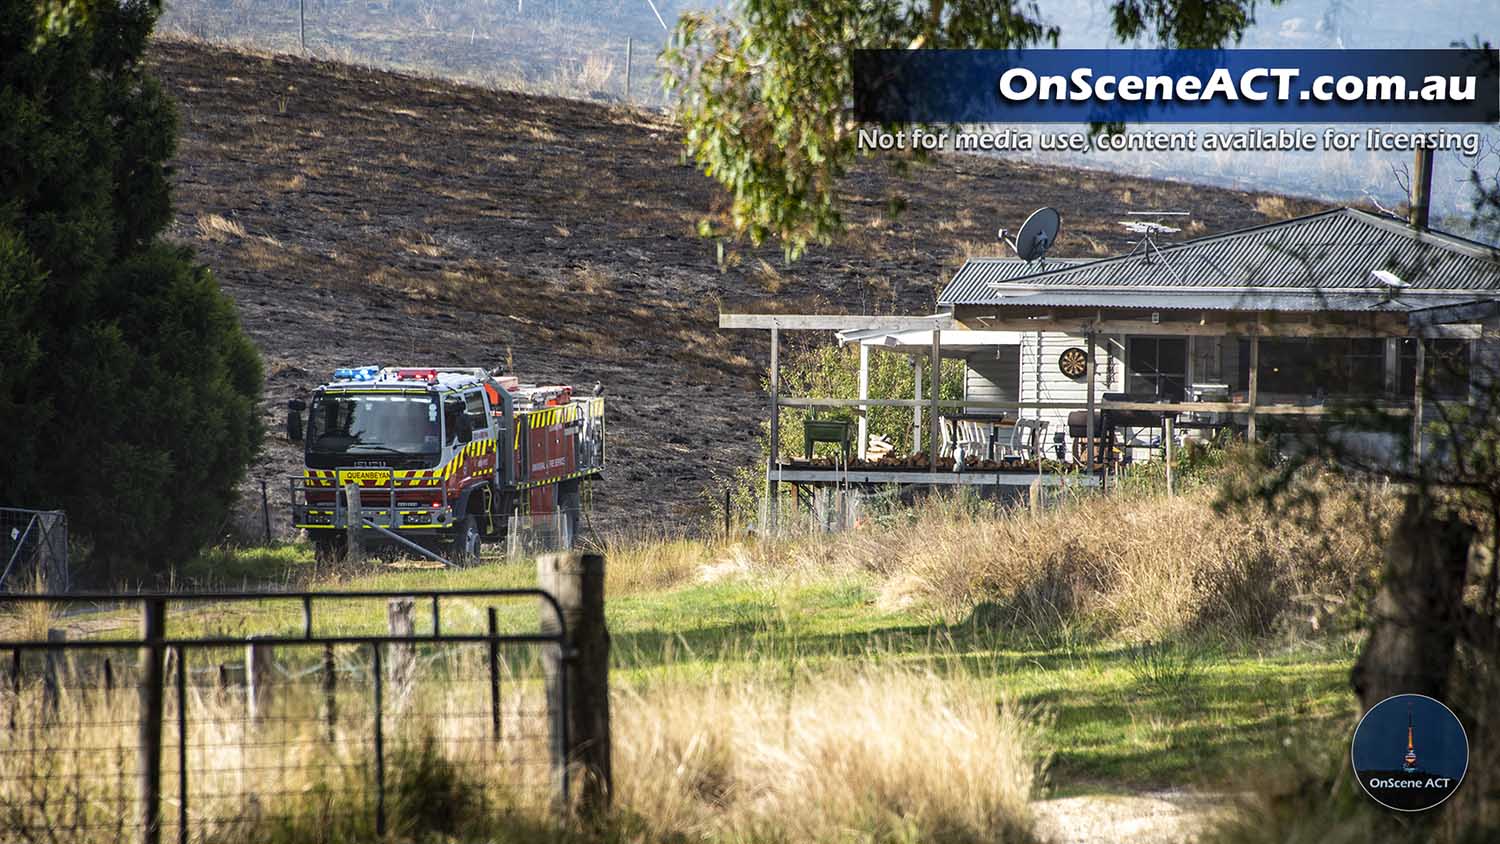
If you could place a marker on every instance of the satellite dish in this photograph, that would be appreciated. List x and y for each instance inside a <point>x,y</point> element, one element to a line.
<point>1036,235</point>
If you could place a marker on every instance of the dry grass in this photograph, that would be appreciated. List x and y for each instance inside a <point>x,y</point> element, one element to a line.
<point>1275,207</point>
<point>647,563</point>
<point>68,769</point>
<point>881,754</point>
<point>1138,565</point>
<point>885,754</point>
<point>218,228</point>
<point>770,279</point>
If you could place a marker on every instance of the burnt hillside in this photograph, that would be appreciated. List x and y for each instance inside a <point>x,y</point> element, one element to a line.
<point>360,216</point>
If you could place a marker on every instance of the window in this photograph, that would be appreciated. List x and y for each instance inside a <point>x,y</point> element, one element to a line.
<point>474,411</point>
<point>1322,367</point>
<point>1157,368</point>
<point>1447,374</point>
<point>374,424</point>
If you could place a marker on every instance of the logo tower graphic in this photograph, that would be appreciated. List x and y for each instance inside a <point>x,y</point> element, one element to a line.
<point>1392,775</point>
<point>1409,762</point>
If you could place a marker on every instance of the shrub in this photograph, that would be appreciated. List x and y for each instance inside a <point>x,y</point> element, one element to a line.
<point>128,389</point>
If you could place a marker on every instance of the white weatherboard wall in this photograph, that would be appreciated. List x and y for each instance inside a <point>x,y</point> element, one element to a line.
<point>993,375</point>
<point>1043,380</point>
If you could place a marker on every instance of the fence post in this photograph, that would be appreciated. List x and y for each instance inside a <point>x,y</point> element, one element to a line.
<point>182,746</point>
<point>403,658</point>
<point>376,674</point>
<point>628,49</point>
<point>301,39</point>
<point>1166,424</point>
<point>259,658</point>
<point>354,523</point>
<point>494,666</point>
<point>265,510</point>
<point>578,680</point>
<point>148,745</point>
<point>330,691</point>
<point>50,670</point>
<point>15,684</point>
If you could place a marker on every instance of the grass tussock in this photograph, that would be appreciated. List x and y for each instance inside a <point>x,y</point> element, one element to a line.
<point>217,227</point>
<point>895,754</point>
<point>1143,566</point>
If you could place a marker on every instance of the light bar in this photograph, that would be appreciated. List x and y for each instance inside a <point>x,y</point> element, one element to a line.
<point>356,373</point>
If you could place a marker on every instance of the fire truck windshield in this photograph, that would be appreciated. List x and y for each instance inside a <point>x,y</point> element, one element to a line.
<point>349,427</point>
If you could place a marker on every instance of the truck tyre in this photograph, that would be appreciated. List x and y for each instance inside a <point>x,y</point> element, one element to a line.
<point>466,542</point>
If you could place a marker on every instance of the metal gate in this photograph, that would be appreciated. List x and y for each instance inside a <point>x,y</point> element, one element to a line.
<point>33,549</point>
<point>339,711</point>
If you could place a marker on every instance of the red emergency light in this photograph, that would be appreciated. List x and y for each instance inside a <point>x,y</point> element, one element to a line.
<point>428,375</point>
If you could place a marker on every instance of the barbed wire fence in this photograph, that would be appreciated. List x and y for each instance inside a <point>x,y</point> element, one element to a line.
<point>463,707</point>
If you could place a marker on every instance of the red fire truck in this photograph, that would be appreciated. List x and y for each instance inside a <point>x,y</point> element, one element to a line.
<point>436,457</point>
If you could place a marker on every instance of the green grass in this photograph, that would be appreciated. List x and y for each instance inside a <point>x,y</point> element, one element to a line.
<point>1115,717</point>
<point>233,568</point>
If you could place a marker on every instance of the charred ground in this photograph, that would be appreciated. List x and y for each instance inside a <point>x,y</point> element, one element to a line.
<point>364,216</point>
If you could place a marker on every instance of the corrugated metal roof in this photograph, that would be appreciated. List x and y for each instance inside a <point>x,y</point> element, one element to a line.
<point>1331,251</point>
<point>1260,300</point>
<point>971,284</point>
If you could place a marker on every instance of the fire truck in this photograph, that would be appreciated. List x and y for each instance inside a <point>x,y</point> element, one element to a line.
<point>441,458</point>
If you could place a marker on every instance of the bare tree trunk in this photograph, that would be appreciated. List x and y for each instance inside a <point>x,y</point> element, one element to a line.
<point>1418,611</point>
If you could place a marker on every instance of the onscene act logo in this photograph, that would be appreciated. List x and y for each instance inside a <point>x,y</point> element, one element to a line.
<point>1410,752</point>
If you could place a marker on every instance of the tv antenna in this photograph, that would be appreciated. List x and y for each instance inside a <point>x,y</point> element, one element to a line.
<point>1036,236</point>
<point>1150,230</point>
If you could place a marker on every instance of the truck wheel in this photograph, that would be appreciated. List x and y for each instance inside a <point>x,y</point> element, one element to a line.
<point>466,542</point>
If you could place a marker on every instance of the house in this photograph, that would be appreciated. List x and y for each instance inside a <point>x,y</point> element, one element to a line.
<point>1281,319</point>
<point>1271,331</point>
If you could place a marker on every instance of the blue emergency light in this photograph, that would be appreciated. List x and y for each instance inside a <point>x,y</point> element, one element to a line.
<point>356,373</point>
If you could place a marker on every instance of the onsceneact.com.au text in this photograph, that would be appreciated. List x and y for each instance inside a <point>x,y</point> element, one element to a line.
<point>1257,84</point>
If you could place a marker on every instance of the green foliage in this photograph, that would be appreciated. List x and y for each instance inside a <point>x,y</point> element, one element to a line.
<point>1196,464</point>
<point>832,372</point>
<point>128,388</point>
<point>824,371</point>
<point>762,93</point>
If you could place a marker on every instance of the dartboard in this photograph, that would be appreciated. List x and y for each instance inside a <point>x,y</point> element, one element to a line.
<point>1073,362</point>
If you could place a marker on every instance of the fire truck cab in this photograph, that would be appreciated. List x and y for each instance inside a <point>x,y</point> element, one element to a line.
<point>441,457</point>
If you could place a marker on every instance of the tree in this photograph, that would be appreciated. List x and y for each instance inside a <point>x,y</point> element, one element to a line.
<point>762,94</point>
<point>127,387</point>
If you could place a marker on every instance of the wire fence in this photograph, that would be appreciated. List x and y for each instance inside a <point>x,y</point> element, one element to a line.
<point>575,49</point>
<point>178,732</point>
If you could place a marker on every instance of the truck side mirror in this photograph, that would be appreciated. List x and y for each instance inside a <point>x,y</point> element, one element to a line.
<point>294,410</point>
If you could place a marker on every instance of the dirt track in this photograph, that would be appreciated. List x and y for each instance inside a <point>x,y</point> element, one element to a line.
<point>359,216</point>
